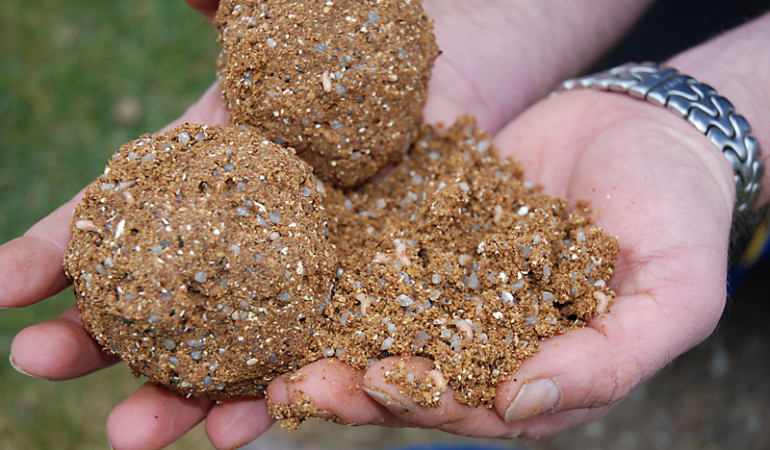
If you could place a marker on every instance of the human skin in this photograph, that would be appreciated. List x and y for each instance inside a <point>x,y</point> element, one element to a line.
<point>655,182</point>
<point>667,192</point>
<point>499,56</point>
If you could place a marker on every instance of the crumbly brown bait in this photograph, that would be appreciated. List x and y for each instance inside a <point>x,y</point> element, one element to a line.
<point>200,257</point>
<point>212,260</point>
<point>342,82</point>
<point>453,256</point>
<point>205,259</point>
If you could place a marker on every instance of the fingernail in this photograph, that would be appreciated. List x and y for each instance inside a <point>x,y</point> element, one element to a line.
<point>386,400</point>
<point>534,398</point>
<point>19,369</point>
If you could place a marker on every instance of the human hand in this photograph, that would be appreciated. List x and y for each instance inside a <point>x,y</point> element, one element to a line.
<point>657,184</point>
<point>61,349</point>
<point>38,275</point>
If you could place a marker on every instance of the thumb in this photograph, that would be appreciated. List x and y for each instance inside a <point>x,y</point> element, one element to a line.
<point>597,366</point>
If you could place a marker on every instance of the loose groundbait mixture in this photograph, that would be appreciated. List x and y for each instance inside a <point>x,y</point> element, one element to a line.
<point>214,259</point>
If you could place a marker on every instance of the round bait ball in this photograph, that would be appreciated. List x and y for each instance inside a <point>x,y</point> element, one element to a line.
<point>200,258</point>
<point>342,82</point>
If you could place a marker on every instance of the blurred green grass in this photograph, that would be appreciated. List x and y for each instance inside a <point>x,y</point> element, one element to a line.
<point>77,79</point>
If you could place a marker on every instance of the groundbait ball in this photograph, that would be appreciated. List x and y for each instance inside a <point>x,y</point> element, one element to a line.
<point>343,83</point>
<point>201,258</point>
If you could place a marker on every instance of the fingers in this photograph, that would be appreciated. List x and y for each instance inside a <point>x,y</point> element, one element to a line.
<point>31,266</point>
<point>449,415</point>
<point>235,423</point>
<point>453,417</point>
<point>59,349</point>
<point>206,7</point>
<point>574,378</point>
<point>336,392</point>
<point>209,109</point>
<point>153,417</point>
<point>597,366</point>
<point>333,391</point>
<point>30,271</point>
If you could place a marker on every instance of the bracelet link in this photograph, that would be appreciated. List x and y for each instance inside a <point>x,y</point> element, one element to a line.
<point>700,105</point>
<point>654,86</point>
<point>676,94</point>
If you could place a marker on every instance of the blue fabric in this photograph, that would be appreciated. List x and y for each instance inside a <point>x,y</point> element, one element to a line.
<point>736,275</point>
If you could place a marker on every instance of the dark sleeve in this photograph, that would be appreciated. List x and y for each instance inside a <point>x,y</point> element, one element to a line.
<point>672,26</point>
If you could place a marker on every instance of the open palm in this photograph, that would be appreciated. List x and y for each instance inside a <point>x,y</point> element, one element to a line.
<point>666,193</point>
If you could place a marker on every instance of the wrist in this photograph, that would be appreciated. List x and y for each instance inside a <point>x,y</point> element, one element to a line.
<point>698,103</point>
<point>506,55</point>
<point>737,65</point>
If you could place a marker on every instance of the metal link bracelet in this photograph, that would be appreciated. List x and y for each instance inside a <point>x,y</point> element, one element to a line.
<point>699,103</point>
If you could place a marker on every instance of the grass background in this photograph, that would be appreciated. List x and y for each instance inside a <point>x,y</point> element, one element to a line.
<point>78,78</point>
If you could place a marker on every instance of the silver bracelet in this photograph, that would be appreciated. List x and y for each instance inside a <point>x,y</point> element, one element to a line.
<point>699,103</point>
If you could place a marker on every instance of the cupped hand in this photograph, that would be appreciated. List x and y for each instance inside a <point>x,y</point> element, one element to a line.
<point>666,192</point>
